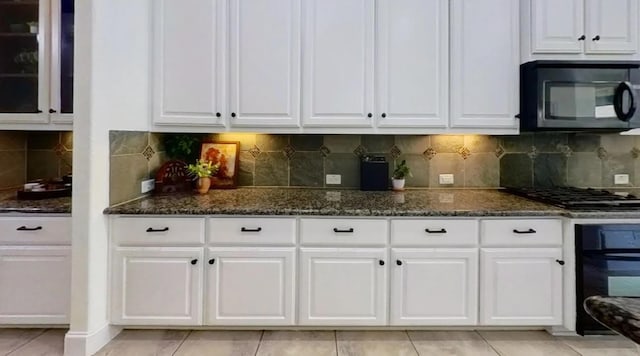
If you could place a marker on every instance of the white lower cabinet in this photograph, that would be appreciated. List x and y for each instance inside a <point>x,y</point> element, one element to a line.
<point>521,286</point>
<point>250,286</point>
<point>434,286</point>
<point>157,286</point>
<point>343,286</point>
<point>35,283</point>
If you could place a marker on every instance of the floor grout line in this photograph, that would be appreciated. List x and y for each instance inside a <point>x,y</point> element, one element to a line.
<point>335,338</point>
<point>411,341</point>
<point>28,342</point>
<point>182,342</point>
<point>488,343</point>
<point>259,343</point>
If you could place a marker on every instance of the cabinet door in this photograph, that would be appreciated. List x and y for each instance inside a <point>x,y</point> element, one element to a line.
<point>485,63</point>
<point>250,286</point>
<point>265,63</point>
<point>612,26</point>
<point>343,287</point>
<point>157,286</point>
<point>412,63</point>
<point>434,287</point>
<point>62,39</point>
<point>557,26</point>
<point>24,61</point>
<point>521,286</point>
<point>189,62</point>
<point>338,63</point>
<point>35,283</point>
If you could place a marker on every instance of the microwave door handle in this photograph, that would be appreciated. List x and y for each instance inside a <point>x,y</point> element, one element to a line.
<point>618,99</point>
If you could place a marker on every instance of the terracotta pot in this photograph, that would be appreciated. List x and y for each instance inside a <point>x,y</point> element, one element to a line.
<point>397,184</point>
<point>203,185</point>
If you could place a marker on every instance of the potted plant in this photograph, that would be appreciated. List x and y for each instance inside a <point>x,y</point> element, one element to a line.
<point>399,174</point>
<point>202,172</point>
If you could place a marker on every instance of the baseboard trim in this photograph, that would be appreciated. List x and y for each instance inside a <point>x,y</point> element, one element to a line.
<point>80,343</point>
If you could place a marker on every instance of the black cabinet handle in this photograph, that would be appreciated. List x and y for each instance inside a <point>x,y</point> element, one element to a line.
<point>381,263</point>
<point>52,111</point>
<point>560,262</point>
<point>369,115</point>
<point>218,114</point>
<point>347,231</point>
<point>441,231</point>
<point>233,114</point>
<point>384,115</point>
<point>399,263</point>
<point>194,261</point>
<point>582,38</point>
<point>157,230</point>
<point>24,228</point>
<point>530,231</point>
<point>212,261</point>
<point>244,229</point>
<point>597,38</point>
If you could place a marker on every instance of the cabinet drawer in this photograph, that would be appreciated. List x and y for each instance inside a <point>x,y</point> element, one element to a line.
<point>158,231</point>
<point>521,232</point>
<point>434,232</point>
<point>343,232</point>
<point>252,231</point>
<point>35,230</point>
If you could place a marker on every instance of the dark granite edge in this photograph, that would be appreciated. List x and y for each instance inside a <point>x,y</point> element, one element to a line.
<point>34,211</point>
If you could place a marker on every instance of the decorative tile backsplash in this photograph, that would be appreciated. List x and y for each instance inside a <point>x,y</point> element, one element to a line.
<point>541,159</point>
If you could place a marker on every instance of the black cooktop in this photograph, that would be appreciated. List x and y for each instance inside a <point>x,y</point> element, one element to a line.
<point>580,198</point>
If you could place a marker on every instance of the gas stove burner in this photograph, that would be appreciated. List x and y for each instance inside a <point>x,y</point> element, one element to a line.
<point>579,198</point>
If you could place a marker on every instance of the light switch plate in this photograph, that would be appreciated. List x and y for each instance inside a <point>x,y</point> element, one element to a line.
<point>445,178</point>
<point>621,179</point>
<point>147,185</point>
<point>334,179</point>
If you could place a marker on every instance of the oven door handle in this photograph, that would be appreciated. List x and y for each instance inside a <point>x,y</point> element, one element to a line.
<point>618,97</point>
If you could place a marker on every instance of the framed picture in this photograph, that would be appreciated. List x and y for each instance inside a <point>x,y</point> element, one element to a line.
<point>227,155</point>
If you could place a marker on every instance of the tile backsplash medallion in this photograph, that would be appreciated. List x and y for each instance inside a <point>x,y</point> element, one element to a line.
<point>26,156</point>
<point>541,159</point>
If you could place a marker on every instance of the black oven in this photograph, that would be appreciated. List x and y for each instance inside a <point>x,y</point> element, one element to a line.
<point>579,95</point>
<point>608,264</point>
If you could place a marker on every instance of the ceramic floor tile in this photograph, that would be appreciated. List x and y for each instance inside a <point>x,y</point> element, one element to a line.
<point>602,345</point>
<point>220,343</point>
<point>526,343</point>
<point>293,343</point>
<point>450,343</point>
<point>374,343</point>
<point>144,342</point>
<point>49,343</point>
<point>11,339</point>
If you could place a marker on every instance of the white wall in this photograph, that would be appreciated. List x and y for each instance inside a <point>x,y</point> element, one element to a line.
<point>112,92</point>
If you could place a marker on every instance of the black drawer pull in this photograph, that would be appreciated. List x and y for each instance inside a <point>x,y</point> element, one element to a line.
<point>347,231</point>
<point>560,262</point>
<point>530,231</point>
<point>24,228</point>
<point>157,230</point>
<point>441,231</point>
<point>597,38</point>
<point>212,261</point>
<point>194,261</point>
<point>244,229</point>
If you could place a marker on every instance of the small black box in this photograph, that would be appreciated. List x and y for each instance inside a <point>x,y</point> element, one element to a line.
<point>374,173</point>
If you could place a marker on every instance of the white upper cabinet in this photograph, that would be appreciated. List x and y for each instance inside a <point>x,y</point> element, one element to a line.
<point>484,63</point>
<point>265,63</point>
<point>557,26</point>
<point>189,70</point>
<point>412,63</point>
<point>338,63</point>
<point>612,26</point>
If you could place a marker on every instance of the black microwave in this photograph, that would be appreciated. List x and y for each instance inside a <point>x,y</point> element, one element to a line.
<point>579,95</point>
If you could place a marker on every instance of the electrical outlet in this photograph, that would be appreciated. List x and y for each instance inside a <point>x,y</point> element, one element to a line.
<point>445,178</point>
<point>147,185</point>
<point>334,179</point>
<point>621,179</point>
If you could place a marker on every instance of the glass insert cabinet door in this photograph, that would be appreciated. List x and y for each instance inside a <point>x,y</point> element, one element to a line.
<point>62,57</point>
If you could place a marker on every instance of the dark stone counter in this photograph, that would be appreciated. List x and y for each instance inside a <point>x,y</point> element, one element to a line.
<point>619,314</point>
<point>9,204</point>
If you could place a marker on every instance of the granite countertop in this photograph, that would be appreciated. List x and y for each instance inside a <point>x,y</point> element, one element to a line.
<point>9,204</point>
<point>301,201</point>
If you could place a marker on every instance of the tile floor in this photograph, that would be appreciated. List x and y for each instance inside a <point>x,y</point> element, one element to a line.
<point>49,342</point>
